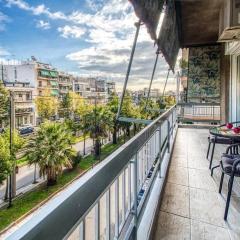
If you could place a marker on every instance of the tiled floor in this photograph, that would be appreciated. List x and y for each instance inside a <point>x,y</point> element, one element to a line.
<point>191,207</point>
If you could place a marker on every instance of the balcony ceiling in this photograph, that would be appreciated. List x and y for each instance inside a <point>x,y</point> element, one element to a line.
<point>199,21</point>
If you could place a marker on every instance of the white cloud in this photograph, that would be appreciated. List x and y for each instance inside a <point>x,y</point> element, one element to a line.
<point>3,20</point>
<point>43,25</point>
<point>4,52</point>
<point>38,10</point>
<point>71,31</point>
<point>108,29</point>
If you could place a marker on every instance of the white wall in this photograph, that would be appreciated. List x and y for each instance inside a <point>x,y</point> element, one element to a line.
<point>25,73</point>
<point>234,95</point>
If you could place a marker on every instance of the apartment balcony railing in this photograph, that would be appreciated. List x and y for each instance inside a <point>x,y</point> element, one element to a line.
<point>199,112</point>
<point>109,202</point>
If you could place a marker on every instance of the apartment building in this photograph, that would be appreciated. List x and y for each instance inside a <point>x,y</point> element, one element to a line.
<point>47,79</point>
<point>89,88</point>
<point>65,83</point>
<point>23,103</point>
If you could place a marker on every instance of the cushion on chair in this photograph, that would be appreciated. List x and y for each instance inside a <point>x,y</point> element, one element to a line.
<point>227,162</point>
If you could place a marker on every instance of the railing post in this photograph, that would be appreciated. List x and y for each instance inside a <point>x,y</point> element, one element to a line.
<point>160,152</point>
<point>168,138</point>
<point>97,221</point>
<point>135,192</point>
<point>172,124</point>
<point>116,208</point>
<point>108,214</point>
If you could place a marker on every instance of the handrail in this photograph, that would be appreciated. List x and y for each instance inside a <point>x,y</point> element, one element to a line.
<point>58,217</point>
<point>198,104</point>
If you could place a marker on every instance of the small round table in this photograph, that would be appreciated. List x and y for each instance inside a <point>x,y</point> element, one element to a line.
<point>223,132</point>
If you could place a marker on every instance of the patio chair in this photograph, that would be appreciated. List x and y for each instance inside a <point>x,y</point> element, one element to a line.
<point>230,165</point>
<point>216,140</point>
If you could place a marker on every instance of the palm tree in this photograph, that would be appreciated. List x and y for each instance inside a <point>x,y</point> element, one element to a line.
<point>51,150</point>
<point>99,122</point>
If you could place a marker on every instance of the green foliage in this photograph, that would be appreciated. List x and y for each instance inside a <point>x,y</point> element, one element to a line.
<point>6,159</point>
<point>4,104</point>
<point>183,63</point>
<point>52,150</point>
<point>47,105</point>
<point>66,106</point>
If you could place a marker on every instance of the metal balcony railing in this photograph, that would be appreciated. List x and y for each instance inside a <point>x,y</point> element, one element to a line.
<point>199,112</point>
<point>107,202</point>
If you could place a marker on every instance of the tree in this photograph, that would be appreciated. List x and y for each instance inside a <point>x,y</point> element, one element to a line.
<point>71,104</point>
<point>8,158</point>
<point>51,150</point>
<point>4,104</point>
<point>5,164</point>
<point>129,109</point>
<point>47,105</point>
<point>113,107</point>
<point>66,106</point>
<point>98,123</point>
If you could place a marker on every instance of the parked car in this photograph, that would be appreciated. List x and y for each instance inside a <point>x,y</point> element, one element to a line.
<point>27,129</point>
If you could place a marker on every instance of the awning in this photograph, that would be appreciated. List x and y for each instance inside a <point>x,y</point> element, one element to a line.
<point>54,92</point>
<point>53,74</point>
<point>148,11</point>
<point>168,40</point>
<point>44,73</point>
<point>54,83</point>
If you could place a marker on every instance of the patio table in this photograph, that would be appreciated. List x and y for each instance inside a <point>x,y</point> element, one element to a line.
<point>223,132</point>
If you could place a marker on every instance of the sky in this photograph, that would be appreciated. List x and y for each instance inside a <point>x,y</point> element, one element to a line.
<point>82,37</point>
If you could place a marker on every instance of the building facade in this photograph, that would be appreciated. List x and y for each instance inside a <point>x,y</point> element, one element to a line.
<point>65,83</point>
<point>47,79</point>
<point>24,107</point>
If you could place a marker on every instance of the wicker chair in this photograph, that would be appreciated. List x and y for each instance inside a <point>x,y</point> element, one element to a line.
<point>230,165</point>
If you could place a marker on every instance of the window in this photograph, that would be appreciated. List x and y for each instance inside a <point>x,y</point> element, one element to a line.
<point>28,96</point>
<point>20,95</point>
<point>40,84</point>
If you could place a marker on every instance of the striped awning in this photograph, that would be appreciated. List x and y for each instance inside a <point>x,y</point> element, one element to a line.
<point>148,11</point>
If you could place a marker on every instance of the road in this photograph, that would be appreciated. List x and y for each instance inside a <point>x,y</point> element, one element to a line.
<point>25,175</point>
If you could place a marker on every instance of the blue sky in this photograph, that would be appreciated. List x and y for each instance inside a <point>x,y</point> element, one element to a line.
<point>84,37</point>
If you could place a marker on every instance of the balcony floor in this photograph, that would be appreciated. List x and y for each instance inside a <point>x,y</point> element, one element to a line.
<point>191,207</point>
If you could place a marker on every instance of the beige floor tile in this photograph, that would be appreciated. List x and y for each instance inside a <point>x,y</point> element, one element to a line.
<point>198,163</point>
<point>207,206</point>
<point>172,227</point>
<point>178,175</point>
<point>201,179</point>
<point>204,231</point>
<point>176,200</point>
<point>180,161</point>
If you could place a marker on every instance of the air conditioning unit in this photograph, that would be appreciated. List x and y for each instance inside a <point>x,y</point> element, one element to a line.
<point>229,29</point>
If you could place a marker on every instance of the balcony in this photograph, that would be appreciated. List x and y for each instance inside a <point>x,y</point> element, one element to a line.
<point>120,197</point>
<point>191,207</point>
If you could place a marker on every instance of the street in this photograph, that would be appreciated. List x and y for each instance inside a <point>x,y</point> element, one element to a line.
<point>25,175</point>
